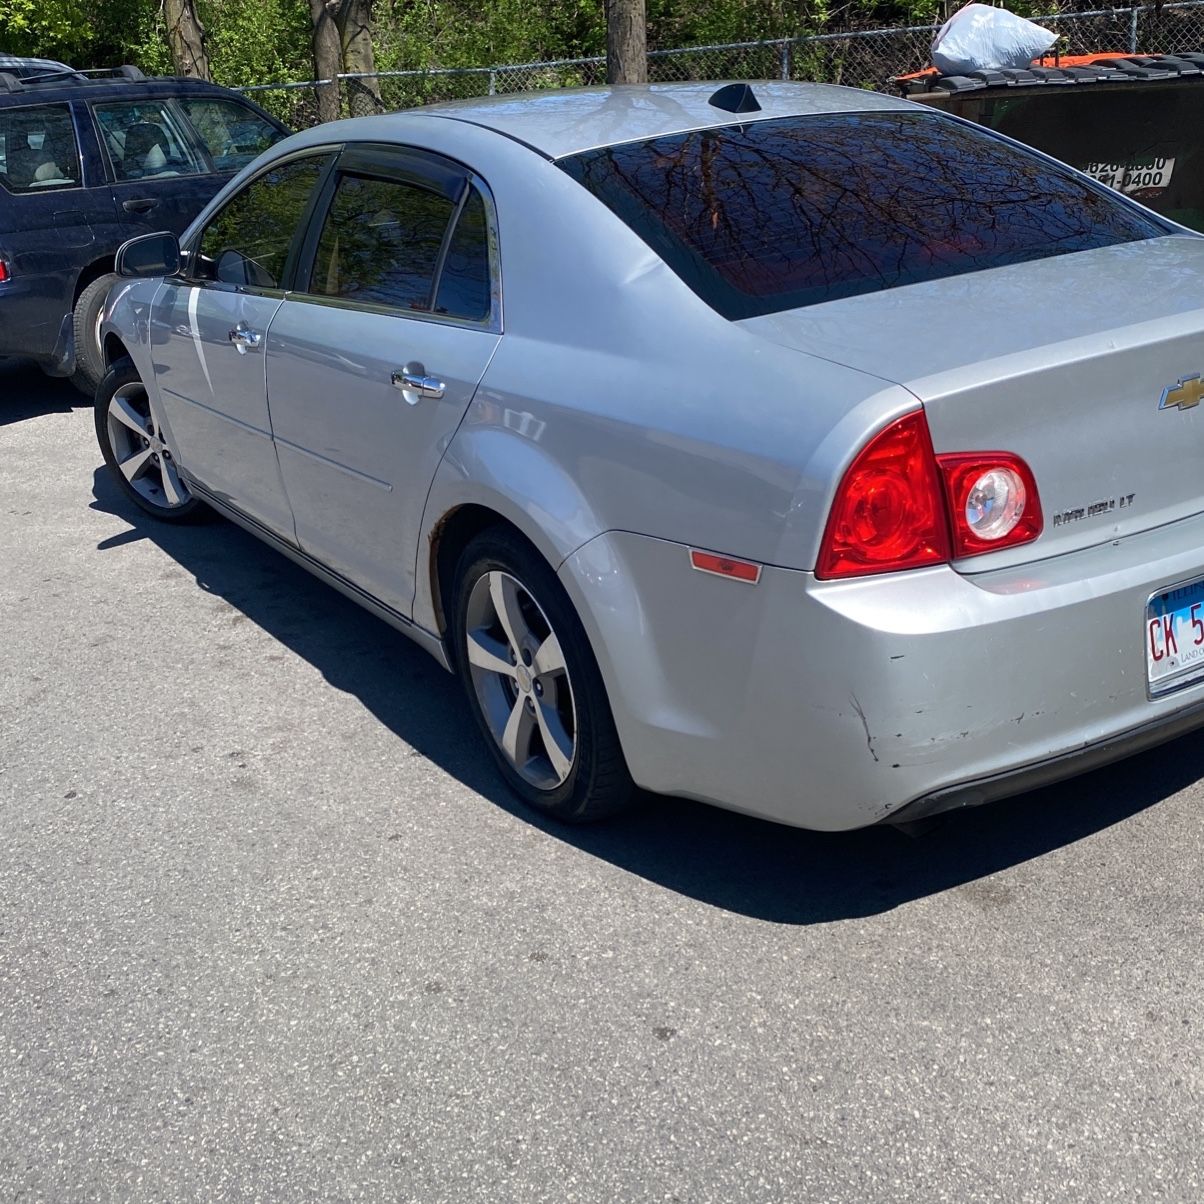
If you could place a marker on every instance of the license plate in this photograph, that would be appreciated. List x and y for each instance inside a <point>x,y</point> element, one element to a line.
<point>1174,638</point>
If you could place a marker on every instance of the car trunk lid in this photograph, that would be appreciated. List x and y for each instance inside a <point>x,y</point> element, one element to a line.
<point>1086,365</point>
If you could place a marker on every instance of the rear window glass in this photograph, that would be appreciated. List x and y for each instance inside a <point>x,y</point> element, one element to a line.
<point>38,150</point>
<point>779,214</point>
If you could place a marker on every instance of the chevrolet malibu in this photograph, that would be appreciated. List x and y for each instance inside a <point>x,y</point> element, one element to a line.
<point>787,447</point>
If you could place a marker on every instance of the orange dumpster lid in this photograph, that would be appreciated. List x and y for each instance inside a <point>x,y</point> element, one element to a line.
<point>1046,60</point>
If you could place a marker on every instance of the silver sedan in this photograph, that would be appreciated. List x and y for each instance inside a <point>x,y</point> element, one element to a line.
<point>787,447</point>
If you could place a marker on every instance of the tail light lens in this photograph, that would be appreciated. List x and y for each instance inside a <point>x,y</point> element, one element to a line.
<point>900,506</point>
<point>993,501</point>
<point>889,513</point>
<point>3,271</point>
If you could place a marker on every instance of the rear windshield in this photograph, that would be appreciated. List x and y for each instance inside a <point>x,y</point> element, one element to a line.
<point>778,214</point>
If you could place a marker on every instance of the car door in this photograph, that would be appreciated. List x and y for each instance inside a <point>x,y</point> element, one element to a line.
<point>209,328</point>
<point>161,178</point>
<point>374,358</point>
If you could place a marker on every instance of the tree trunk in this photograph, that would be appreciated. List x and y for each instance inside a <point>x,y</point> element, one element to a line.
<point>626,42</point>
<point>328,58</point>
<point>355,32</point>
<point>186,37</point>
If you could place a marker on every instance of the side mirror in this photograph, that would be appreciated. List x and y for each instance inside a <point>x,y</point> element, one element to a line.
<point>149,255</point>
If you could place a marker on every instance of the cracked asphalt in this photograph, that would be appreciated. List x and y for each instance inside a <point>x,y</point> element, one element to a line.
<point>270,930</point>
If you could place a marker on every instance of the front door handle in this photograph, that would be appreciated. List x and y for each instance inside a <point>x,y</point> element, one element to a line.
<point>245,339</point>
<point>140,204</point>
<point>415,384</point>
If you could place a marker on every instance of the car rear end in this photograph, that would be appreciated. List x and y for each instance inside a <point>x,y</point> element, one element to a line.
<point>996,586</point>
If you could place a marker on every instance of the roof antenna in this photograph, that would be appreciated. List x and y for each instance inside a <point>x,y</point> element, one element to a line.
<point>735,98</point>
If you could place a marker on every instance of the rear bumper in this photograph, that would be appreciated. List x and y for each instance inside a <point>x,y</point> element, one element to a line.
<point>1056,769</point>
<point>839,704</point>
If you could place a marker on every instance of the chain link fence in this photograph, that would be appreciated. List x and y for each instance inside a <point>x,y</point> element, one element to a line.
<point>861,58</point>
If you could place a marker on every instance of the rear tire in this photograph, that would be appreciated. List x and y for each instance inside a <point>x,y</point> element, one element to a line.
<point>131,440</point>
<point>533,684</point>
<point>85,325</point>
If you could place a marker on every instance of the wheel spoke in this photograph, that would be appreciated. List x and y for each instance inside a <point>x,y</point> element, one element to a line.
<point>516,739</point>
<point>173,487</point>
<point>125,413</point>
<point>132,467</point>
<point>487,653</point>
<point>503,591</point>
<point>549,658</point>
<point>556,741</point>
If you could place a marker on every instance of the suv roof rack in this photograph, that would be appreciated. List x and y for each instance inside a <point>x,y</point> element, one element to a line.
<point>17,83</point>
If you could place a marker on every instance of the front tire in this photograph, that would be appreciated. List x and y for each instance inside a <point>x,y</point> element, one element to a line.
<point>533,684</point>
<point>132,442</point>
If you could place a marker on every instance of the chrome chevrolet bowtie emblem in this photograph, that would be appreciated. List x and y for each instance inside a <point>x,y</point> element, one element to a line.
<point>1185,394</point>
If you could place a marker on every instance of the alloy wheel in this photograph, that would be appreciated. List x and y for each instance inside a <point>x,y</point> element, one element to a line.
<point>141,455</point>
<point>521,680</point>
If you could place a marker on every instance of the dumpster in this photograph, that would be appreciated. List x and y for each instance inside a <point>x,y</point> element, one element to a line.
<point>1134,122</point>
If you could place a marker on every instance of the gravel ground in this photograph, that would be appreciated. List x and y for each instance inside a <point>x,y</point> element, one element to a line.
<point>270,930</point>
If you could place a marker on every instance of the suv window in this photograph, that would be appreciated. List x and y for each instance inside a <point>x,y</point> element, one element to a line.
<point>247,242</point>
<point>383,243</point>
<point>145,140</point>
<point>232,133</point>
<point>783,213</point>
<point>38,149</point>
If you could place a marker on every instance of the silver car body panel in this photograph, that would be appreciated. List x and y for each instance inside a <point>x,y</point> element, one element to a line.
<point>619,421</point>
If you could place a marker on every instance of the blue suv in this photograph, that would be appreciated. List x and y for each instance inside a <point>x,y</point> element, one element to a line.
<point>88,160</point>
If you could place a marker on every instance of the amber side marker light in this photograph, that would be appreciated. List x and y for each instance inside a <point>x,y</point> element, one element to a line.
<point>725,566</point>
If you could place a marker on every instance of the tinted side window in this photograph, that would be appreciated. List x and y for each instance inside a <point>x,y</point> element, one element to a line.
<point>381,243</point>
<point>464,285</point>
<point>248,240</point>
<point>38,149</point>
<point>144,140</point>
<point>232,133</point>
<point>778,214</point>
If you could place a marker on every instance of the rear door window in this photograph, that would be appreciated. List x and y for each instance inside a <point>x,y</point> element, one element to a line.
<point>232,133</point>
<point>777,214</point>
<point>38,149</point>
<point>146,140</point>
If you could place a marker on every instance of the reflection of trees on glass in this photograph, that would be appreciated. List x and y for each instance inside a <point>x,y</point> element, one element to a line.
<point>464,285</point>
<point>260,221</point>
<point>778,214</point>
<point>232,133</point>
<point>381,243</point>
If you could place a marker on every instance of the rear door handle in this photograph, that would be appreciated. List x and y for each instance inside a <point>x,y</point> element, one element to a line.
<point>245,339</point>
<point>140,204</point>
<point>415,384</point>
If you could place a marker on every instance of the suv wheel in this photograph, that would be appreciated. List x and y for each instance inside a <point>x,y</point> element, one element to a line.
<point>85,323</point>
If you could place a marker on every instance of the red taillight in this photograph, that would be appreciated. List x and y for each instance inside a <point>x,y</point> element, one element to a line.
<point>3,271</point>
<point>900,506</point>
<point>993,501</point>
<point>888,513</point>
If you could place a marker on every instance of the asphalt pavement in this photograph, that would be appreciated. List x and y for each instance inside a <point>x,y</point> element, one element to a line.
<point>271,930</point>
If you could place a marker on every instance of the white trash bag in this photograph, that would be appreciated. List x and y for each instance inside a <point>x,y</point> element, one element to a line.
<point>981,38</point>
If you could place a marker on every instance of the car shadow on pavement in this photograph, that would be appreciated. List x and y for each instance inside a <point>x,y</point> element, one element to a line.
<point>26,393</point>
<point>730,861</point>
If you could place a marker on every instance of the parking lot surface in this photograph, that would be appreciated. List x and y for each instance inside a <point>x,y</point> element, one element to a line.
<point>270,929</point>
